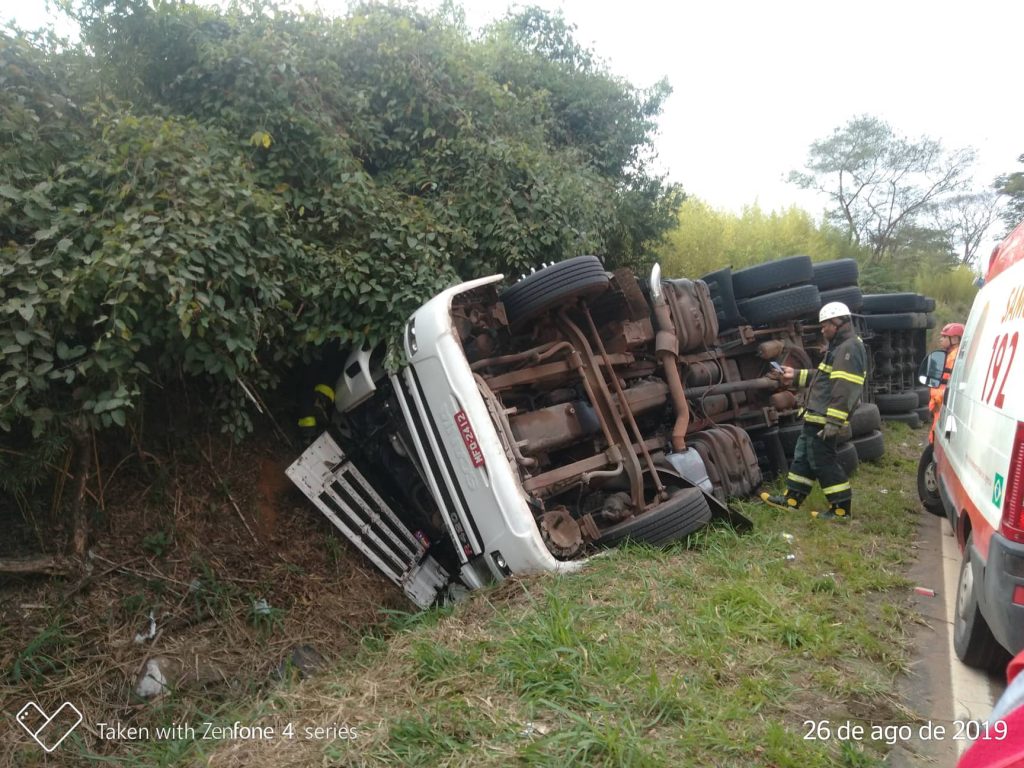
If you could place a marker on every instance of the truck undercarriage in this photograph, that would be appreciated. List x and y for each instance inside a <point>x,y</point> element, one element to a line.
<point>583,405</point>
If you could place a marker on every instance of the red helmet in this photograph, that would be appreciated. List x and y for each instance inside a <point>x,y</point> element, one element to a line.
<point>953,329</point>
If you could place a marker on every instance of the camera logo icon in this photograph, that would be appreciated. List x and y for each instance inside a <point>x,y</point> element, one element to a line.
<point>49,730</point>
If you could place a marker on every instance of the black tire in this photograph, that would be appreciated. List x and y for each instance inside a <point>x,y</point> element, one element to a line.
<point>865,420</point>
<point>788,436</point>
<point>972,639</point>
<point>851,297</point>
<point>924,396</point>
<point>685,512</point>
<point>786,304</point>
<point>554,286</point>
<point>870,447</point>
<point>771,456</point>
<point>876,303</point>
<point>883,371</point>
<point>901,402</point>
<point>835,274</point>
<point>928,483</point>
<point>911,419</point>
<point>720,285</point>
<point>928,305</point>
<point>906,321</point>
<point>771,276</point>
<point>929,321</point>
<point>846,455</point>
<point>924,414</point>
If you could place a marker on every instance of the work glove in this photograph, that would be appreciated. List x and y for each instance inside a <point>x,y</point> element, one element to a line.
<point>830,431</point>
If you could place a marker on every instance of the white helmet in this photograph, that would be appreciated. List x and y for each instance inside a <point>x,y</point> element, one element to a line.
<point>833,310</point>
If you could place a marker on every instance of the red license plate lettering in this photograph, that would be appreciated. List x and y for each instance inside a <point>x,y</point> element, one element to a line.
<point>469,438</point>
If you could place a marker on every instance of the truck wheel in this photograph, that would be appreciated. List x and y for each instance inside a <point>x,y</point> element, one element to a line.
<point>897,402</point>
<point>876,303</point>
<point>972,639</point>
<point>554,286</point>
<point>928,483</point>
<point>771,276</point>
<point>850,296</point>
<point>870,447</point>
<point>685,512</point>
<point>923,396</point>
<point>720,285</point>
<point>904,321</point>
<point>781,305</point>
<point>841,273</point>
<point>911,419</point>
<point>865,420</point>
<point>788,435</point>
<point>846,455</point>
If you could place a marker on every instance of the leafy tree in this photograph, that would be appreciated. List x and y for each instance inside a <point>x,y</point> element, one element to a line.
<point>881,183</point>
<point>917,250</point>
<point>1011,186</point>
<point>706,239</point>
<point>534,54</point>
<point>202,198</point>
<point>966,219</point>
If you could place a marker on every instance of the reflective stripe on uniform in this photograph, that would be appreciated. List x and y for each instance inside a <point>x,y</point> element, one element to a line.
<point>814,418</point>
<point>834,489</point>
<point>835,413</point>
<point>326,391</point>
<point>824,368</point>
<point>307,421</point>
<point>800,478</point>
<point>802,379</point>
<point>847,376</point>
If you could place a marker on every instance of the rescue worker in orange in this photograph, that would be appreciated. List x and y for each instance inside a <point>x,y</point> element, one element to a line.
<point>949,342</point>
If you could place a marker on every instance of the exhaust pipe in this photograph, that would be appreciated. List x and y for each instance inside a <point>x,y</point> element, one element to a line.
<point>667,348</point>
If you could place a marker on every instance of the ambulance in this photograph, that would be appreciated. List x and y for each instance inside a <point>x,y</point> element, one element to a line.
<point>979,462</point>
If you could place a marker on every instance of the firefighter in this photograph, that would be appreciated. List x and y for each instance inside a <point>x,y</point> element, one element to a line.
<point>949,342</point>
<point>316,395</point>
<point>834,390</point>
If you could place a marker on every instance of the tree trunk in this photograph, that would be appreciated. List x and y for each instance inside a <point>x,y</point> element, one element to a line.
<point>79,521</point>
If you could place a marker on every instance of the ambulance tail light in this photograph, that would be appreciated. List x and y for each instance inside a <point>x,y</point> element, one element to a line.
<point>1012,524</point>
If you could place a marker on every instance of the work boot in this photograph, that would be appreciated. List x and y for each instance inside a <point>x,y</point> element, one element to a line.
<point>835,512</point>
<point>786,502</point>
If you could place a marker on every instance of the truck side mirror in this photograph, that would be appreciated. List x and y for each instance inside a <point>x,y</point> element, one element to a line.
<point>930,372</point>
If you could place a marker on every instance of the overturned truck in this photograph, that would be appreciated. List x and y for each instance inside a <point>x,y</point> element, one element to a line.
<point>533,426</point>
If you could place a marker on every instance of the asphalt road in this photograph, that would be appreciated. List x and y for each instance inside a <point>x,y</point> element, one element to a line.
<point>939,690</point>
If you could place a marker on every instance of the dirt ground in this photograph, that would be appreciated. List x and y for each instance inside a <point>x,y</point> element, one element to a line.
<point>207,560</point>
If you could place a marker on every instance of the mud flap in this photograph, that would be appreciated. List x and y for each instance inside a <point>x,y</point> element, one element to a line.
<point>684,471</point>
<point>343,495</point>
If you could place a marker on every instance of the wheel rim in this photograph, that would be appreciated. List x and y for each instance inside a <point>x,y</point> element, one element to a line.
<point>931,482</point>
<point>964,594</point>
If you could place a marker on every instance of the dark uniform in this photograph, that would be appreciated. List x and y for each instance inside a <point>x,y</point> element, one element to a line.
<point>316,393</point>
<point>835,389</point>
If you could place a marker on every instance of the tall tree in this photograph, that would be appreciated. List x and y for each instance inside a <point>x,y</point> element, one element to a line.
<point>966,219</point>
<point>880,182</point>
<point>1011,185</point>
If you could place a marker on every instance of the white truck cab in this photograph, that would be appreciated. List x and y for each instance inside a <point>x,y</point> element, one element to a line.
<point>979,461</point>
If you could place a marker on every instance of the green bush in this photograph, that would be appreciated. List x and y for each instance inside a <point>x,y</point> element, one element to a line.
<point>203,198</point>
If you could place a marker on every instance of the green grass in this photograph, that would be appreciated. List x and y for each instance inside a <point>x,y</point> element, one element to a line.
<point>712,652</point>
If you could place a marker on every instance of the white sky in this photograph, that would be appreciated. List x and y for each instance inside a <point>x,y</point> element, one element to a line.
<point>756,82</point>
